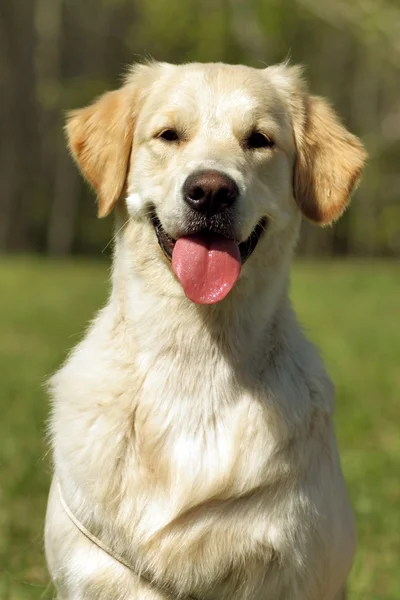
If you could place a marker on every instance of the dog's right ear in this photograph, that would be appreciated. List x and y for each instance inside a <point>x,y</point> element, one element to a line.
<point>100,139</point>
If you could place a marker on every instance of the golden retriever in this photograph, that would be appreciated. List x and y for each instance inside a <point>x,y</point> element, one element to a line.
<point>194,449</point>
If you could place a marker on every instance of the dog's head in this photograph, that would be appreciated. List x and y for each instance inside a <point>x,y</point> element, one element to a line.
<point>215,163</point>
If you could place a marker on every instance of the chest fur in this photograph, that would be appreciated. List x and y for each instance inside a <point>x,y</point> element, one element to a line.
<point>193,462</point>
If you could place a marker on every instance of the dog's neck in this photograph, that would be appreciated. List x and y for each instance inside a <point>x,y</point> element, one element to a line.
<point>195,369</point>
<point>240,325</point>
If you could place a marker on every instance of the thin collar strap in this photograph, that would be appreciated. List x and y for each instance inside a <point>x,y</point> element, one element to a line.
<point>95,540</point>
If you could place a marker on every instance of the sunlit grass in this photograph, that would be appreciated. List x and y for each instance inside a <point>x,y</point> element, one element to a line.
<point>351,310</point>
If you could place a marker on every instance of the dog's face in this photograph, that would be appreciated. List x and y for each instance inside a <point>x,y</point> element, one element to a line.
<point>213,150</point>
<point>214,160</point>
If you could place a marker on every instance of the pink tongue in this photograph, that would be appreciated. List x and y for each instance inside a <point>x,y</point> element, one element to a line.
<point>207,267</point>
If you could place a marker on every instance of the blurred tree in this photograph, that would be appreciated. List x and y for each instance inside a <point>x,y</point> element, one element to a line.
<point>59,54</point>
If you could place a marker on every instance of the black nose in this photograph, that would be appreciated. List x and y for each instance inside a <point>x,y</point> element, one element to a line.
<point>210,191</point>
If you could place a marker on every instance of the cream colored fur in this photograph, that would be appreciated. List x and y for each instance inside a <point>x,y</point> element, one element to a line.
<point>197,441</point>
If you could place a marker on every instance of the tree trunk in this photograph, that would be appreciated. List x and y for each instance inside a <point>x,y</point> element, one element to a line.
<point>63,215</point>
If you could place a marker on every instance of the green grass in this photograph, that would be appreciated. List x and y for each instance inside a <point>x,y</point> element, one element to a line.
<point>351,310</point>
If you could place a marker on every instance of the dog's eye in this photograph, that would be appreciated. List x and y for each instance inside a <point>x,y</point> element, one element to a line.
<point>259,140</point>
<point>169,135</point>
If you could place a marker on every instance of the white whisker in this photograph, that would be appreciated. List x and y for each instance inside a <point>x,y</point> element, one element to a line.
<point>115,235</point>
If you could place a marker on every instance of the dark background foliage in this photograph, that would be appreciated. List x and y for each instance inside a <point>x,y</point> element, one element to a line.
<point>59,54</point>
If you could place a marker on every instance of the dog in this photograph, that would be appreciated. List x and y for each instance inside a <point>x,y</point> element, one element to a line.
<point>194,450</point>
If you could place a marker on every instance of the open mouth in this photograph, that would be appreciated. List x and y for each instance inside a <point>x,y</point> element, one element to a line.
<point>206,263</point>
<point>246,248</point>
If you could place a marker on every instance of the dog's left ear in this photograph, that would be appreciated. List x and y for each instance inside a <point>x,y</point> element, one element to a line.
<point>328,164</point>
<point>100,139</point>
<point>329,159</point>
